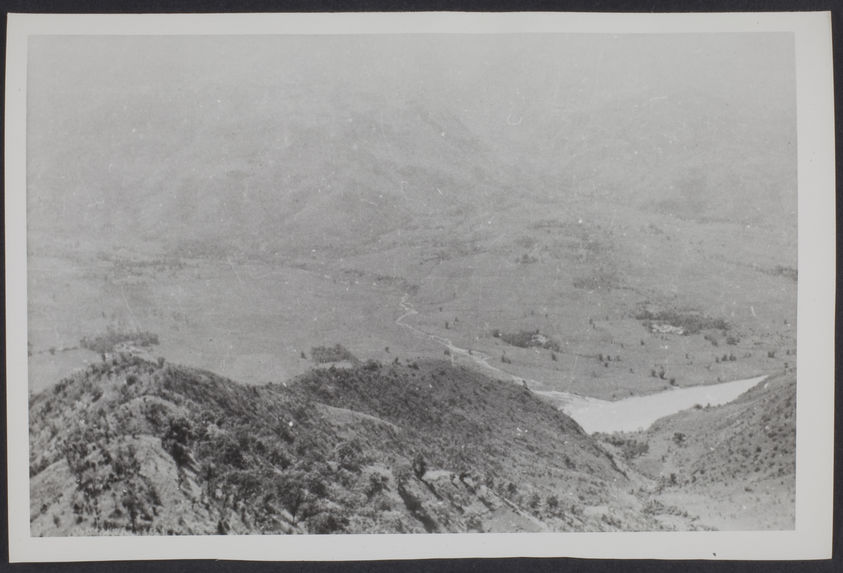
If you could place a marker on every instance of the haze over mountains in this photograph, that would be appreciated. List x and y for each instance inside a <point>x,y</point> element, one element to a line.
<point>206,140</point>
<point>609,216</point>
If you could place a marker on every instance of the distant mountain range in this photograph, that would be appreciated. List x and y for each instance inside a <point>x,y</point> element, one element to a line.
<point>289,166</point>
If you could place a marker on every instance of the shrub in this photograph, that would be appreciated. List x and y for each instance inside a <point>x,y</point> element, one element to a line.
<point>350,455</point>
<point>326,522</point>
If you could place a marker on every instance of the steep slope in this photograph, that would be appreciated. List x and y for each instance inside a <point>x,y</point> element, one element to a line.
<point>733,465</point>
<point>132,446</point>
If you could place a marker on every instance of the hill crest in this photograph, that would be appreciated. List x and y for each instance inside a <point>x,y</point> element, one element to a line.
<point>130,445</point>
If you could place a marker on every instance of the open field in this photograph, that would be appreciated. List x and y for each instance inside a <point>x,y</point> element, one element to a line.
<point>251,318</point>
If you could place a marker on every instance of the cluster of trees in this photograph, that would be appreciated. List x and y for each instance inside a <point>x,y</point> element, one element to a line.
<point>527,339</point>
<point>689,322</point>
<point>661,373</point>
<point>630,448</point>
<point>335,353</point>
<point>784,271</point>
<point>108,341</point>
<point>605,359</point>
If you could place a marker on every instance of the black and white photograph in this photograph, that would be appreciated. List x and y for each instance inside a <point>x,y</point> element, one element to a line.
<point>333,282</point>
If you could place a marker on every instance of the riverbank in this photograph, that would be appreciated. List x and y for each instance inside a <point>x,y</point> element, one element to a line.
<point>593,414</point>
<point>640,412</point>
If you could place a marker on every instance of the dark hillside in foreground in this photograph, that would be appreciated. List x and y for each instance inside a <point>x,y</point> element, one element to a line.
<point>132,446</point>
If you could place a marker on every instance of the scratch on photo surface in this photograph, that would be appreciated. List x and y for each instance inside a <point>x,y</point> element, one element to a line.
<point>234,270</point>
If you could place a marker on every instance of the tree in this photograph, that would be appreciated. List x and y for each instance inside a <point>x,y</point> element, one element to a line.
<point>419,466</point>
<point>177,440</point>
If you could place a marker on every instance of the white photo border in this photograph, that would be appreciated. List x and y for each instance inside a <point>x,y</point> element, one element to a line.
<point>812,536</point>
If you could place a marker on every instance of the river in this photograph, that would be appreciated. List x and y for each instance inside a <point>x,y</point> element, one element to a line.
<point>593,414</point>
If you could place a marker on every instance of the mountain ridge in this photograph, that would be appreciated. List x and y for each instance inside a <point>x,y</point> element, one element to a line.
<point>134,446</point>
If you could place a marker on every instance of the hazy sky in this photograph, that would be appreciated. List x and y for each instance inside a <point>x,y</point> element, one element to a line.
<point>469,71</point>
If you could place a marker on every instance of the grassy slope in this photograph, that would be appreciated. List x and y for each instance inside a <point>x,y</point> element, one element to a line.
<point>733,465</point>
<point>130,445</point>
